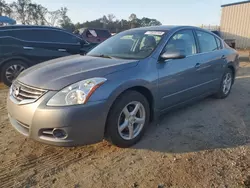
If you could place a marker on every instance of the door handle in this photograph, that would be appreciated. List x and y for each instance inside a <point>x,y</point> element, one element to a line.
<point>62,50</point>
<point>28,48</point>
<point>198,65</point>
<point>223,57</point>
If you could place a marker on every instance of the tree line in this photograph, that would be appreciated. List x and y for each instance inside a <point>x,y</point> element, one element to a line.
<point>31,13</point>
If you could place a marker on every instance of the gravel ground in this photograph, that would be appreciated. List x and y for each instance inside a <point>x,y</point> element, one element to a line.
<point>206,144</point>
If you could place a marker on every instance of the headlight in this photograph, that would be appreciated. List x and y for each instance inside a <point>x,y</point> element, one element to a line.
<point>77,93</point>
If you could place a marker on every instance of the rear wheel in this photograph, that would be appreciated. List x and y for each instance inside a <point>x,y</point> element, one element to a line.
<point>128,119</point>
<point>226,84</point>
<point>11,70</point>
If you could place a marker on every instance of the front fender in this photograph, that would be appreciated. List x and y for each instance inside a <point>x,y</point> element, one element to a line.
<point>126,86</point>
<point>121,81</point>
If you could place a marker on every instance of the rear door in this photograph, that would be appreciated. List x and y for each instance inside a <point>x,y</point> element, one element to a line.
<point>211,60</point>
<point>65,42</point>
<point>11,45</point>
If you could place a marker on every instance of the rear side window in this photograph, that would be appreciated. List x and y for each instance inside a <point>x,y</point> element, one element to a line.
<point>45,36</point>
<point>207,42</point>
<point>102,33</point>
<point>219,44</point>
<point>59,37</point>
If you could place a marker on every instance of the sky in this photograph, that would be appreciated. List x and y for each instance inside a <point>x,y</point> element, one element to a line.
<point>168,12</point>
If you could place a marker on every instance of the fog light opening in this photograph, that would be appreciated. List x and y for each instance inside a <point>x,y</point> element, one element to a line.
<point>59,133</point>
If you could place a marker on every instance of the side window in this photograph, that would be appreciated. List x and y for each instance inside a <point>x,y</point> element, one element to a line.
<point>60,37</point>
<point>207,42</point>
<point>44,35</point>
<point>218,43</point>
<point>184,41</point>
<point>22,34</point>
<point>103,33</point>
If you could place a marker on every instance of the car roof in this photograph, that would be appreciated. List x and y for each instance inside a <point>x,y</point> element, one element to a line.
<point>93,28</point>
<point>29,26</point>
<point>164,28</point>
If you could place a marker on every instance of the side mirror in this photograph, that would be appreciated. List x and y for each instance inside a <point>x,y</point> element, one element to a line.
<point>176,54</point>
<point>84,43</point>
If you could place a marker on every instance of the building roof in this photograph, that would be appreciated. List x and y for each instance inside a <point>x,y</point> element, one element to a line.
<point>237,3</point>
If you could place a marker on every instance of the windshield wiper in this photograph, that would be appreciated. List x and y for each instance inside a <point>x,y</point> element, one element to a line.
<point>104,56</point>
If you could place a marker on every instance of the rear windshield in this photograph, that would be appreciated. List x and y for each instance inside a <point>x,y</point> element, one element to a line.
<point>102,33</point>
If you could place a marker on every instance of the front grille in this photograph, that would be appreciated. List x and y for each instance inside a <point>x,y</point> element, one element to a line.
<point>24,94</point>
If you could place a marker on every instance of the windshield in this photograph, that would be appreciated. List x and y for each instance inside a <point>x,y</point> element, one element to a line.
<point>129,45</point>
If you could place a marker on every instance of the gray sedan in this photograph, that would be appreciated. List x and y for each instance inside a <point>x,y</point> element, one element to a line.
<point>121,85</point>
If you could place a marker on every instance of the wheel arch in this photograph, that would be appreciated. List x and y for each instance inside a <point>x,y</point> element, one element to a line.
<point>142,89</point>
<point>7,60</point>
<point>230,66</point>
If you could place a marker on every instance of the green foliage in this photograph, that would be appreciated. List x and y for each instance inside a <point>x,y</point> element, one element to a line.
<point>28,12</point>
<point>115,25</point>
<point>5,8</point>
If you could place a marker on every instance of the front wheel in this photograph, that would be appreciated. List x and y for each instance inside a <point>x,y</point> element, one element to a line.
<point>226,84</point>
<point>11,70</point>
<point>128,119</point>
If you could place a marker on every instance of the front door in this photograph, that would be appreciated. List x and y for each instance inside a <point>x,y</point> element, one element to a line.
<point>178,81</point>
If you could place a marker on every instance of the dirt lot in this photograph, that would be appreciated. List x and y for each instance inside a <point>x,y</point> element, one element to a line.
<point>203,145</point>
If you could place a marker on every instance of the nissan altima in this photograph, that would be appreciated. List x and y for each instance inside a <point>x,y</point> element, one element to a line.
<point>120,86</point>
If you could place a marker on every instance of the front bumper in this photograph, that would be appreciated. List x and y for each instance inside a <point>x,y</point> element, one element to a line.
<point>84,124</point>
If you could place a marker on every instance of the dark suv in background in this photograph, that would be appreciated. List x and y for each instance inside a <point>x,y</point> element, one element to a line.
<point>23,46</point>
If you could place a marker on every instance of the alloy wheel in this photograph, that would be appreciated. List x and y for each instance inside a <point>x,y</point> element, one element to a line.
<point>13,71</point>
<point>131,120</point>
<point>227,83</point>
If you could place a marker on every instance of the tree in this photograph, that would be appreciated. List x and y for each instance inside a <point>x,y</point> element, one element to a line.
<point>37,14</point>
<point>132,17</point>
<point>65,22</point>
<point>114,25</point>
<point>154,22</point>
<point>53,17</point>
<point>111,18</point>
<point>28,13</point>
<point>104,21</point>
<point>4,8</point>
<point>133,20</point>
<point>21,10</point>
<point>149,22</point>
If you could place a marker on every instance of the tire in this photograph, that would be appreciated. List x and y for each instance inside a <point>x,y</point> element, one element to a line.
<point>117,117</point>
<point>222,93</point>
<point>7,67</point>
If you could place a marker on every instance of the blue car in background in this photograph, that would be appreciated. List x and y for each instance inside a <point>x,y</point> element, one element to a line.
<point>117,88</point>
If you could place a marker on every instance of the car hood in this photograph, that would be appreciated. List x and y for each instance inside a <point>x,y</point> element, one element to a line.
<point>59,73</point>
